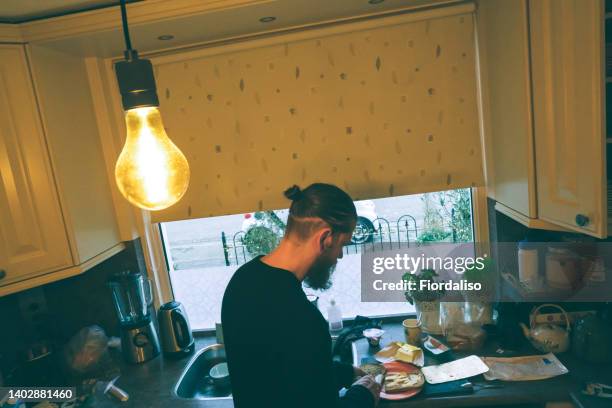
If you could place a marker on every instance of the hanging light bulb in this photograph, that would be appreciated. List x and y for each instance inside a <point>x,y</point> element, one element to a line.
<point>151,172</point>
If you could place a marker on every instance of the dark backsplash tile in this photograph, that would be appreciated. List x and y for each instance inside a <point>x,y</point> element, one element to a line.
<point>56,311</point>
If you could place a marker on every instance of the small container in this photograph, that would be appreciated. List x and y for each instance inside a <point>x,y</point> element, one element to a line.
<point>434,346</point>
<point>528,264</point>
<point>334,317</point>
<point>219,374</point>
<point>596,270</point>
<point>562,268</point>
<point>412,330</point>
<point>373,336</point>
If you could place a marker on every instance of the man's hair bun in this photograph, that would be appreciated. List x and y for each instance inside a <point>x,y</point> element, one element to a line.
<point>323,201</point>
<point>293,193</point>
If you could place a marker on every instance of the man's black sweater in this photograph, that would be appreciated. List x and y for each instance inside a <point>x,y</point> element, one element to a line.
<point>278,345</point>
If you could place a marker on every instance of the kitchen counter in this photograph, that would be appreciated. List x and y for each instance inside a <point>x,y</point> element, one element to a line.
<point>151,384</point>
<point>561,388</point>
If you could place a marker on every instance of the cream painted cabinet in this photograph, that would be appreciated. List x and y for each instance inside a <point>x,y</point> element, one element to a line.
<point>33,238</point>
<point>543,111</point>
<point>567,43</point>
<point>56,214</point>
<point>503,35</point>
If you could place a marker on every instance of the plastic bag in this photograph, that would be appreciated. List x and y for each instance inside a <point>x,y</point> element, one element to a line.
<point>461,332</point>
<point>460,313</point>
<point>452,314</point>
<point>86,349</point>
<point>523,368</point>
<point>478,312</point>
<point>466,337</point>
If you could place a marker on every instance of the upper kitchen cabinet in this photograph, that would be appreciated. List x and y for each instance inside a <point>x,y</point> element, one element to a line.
<point>567,43</point>
<point>543,112</point>
<point>56,213</point>
<point>32,233</point>
<point>503,34</point>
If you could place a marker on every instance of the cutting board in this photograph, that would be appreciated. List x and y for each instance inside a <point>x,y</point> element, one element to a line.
<point>455,370</point>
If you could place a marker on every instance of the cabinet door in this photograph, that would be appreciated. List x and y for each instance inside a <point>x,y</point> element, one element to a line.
<point>567,68</point>
<point>503,35</point>
<point>33,238</point>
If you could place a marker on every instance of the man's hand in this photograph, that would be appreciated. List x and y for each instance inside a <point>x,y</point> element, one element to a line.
<point>358,372</point>
<point>372,386</point>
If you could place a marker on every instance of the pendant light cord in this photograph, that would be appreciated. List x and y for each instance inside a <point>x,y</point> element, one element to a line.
<point>129,52</point>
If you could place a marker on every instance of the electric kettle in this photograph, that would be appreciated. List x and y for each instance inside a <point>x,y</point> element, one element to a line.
<point>174,330</point>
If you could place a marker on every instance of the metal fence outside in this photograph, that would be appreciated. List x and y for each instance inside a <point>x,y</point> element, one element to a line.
<point>385,235</point>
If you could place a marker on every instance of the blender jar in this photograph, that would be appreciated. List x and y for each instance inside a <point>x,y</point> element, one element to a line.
<point>132,297</point>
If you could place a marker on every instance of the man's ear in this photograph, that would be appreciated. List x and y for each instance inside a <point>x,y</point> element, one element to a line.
<point>325,239</point>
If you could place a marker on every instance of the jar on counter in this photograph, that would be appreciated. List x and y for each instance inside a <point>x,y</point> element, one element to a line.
<point>562,268</point>
<point>528,265</point>
<point>596,270</point>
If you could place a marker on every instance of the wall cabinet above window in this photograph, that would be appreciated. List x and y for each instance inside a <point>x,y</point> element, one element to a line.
<point>543,104</point>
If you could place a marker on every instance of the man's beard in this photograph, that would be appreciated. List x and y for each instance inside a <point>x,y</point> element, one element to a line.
<point>319,275</point>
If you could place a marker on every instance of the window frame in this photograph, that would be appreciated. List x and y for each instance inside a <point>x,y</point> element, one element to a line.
<point>155,247</point>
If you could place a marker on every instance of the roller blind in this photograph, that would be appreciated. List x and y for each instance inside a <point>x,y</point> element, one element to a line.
<point>382,108</point>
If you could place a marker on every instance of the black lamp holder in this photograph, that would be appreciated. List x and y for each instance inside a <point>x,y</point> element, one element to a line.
<point>134,75</point>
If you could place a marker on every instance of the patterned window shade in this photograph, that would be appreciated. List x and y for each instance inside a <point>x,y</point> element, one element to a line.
<point>383,111</point>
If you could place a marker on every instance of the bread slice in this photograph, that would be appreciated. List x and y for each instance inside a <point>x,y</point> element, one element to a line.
<point>402,381</point>
<point>373,369</point>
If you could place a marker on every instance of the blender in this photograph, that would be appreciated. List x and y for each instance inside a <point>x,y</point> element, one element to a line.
<point>132,297</point>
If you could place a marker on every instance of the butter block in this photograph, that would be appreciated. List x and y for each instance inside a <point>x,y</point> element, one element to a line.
<point>408,353</point>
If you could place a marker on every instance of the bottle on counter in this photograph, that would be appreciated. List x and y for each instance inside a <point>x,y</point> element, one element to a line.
<point>334,317</point>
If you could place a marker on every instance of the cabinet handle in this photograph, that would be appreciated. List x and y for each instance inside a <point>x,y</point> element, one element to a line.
<point>2,273</point>
<point>582,220</point>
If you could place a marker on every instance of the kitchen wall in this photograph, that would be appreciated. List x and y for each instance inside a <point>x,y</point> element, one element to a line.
<point>56,311</point>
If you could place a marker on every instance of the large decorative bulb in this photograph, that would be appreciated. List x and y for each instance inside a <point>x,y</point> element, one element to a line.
<point>151,172</point>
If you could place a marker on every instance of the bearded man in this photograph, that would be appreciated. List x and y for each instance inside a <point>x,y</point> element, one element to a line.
<point>277,343</point>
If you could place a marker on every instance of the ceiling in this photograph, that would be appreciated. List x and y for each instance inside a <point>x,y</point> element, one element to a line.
<point>20,11</point>
<point>158,25</point>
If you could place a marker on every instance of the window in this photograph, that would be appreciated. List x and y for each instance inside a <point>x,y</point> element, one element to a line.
<point>203,254</point>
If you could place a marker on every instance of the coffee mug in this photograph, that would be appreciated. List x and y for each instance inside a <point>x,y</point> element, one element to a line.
<point>412,330</point>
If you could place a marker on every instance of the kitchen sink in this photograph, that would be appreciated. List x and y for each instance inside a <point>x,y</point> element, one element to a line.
<point>195,381</point>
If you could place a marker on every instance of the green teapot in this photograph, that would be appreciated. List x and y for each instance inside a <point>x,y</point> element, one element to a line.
<point>591,340</point>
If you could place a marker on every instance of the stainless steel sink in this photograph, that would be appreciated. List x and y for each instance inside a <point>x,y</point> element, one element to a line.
<point>195,382</point>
